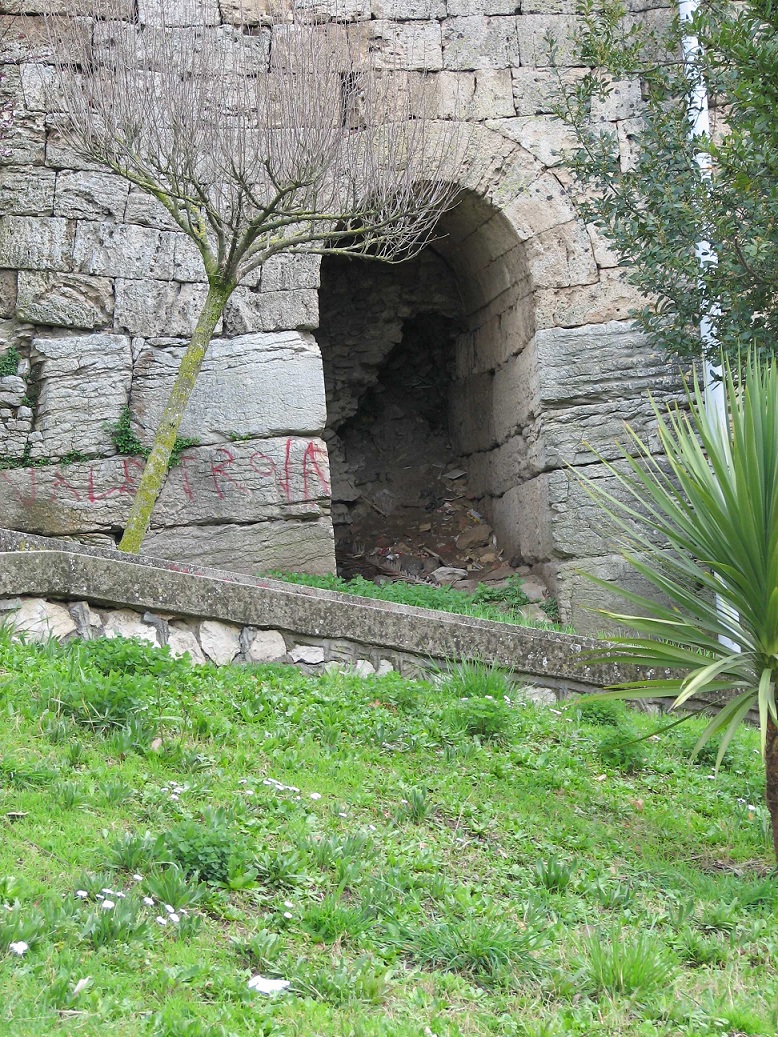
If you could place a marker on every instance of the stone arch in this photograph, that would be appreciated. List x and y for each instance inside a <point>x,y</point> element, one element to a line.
<point>476,280</point>
<point>544,360</point>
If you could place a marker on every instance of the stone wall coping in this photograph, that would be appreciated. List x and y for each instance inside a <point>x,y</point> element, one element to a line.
<point>48,568</point>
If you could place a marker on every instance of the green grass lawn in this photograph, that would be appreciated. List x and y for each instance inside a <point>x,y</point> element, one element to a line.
<point>412,859</point>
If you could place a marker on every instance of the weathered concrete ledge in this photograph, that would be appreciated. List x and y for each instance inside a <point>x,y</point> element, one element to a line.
<point>343,625</point>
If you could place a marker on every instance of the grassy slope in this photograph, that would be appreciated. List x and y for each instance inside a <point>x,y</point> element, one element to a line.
<point>443,883</point>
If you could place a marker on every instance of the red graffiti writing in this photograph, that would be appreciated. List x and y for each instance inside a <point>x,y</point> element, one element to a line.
<point>299,474</point>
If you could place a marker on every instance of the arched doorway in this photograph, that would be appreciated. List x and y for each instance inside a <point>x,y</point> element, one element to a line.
<point>429,401</point>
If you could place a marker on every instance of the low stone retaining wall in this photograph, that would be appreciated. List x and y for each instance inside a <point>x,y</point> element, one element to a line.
<point>66,590</point>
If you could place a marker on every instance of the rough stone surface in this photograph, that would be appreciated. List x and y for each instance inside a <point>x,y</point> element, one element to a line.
<point>86,383</point>
<point>267,646</point>
<point>220,641</point>
<point>182,641</point>
<point>65,300</point>
<point>126,623</point>
<point>308,654</point>
<point>40,620</point>
<point>254,385</point>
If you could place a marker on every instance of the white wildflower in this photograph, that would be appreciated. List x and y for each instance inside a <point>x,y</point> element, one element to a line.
<point>174,918</point>
<point>137,878</point>
<point>288,914</point>
<point>108,905</point>
<point>288,903</point>
<point>170,909</point>
<point>148,901</point>
<point>19,947</point>
<point>82,894</point>
<point>316,795</point>
<point>268,986</point>
<point>161,919</point>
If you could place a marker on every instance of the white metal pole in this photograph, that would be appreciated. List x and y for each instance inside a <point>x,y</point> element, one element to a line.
<point>699,125</point>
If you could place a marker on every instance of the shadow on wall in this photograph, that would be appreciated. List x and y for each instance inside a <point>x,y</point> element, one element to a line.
<point>428,398</point>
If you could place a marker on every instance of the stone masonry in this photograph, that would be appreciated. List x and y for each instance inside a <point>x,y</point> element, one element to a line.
<point>98,293</point>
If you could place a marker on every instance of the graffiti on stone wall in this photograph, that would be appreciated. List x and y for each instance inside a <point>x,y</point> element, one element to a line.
<point>291,470</point>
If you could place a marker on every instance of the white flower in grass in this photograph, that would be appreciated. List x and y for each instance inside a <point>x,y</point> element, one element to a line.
<point>108,905</point>
<point>288,914</point>
<point>268,986</point>
<point>316,795</point>
<point>288,903</point>
<point>170,909</point>
<point>108,892</point>
<point>148,901</point>
<point>82,983</point>
<point>82,894</point>
<point>161,919</point>
<point>137,878</point>
<point>19,947</point>
<point>174,918</point>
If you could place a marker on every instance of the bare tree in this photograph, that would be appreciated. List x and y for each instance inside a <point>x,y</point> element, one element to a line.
<point>281,135</point>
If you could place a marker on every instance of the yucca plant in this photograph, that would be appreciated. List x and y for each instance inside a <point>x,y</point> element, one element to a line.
<point>701,525</point>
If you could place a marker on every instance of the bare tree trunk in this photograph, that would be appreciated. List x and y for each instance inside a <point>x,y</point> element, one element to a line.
<point>771,778</point>
<point>155,472</point>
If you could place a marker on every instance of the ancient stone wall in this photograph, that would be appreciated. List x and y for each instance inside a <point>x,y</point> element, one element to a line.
<point>98,293</point>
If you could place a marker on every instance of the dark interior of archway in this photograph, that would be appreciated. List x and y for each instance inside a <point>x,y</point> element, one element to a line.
<point>401,500</point>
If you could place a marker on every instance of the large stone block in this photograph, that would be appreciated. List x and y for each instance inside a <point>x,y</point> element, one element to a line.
<point>24,144</point>
<point>534,32</point>
<point>65,300</point>
<point>408,46</point>
<point>540,206</point>
<point>409,10</point>
<point>159,308</point>
<point>598,363</point>
<point>477,42</point>
<point>286,273</point>
<point>24,192</point>
<point>178,12</point>
<point>582,602</point>
<point>287,546</point>
<point>123,250</point>
<point>7,293</point>
<point>561,257</point>
<point>536,90</point>
<point>545,137</point>
<point>145,210</point>
<point>609,299</point>
<point>85,382</point>
<point>90,195</point>
<point>248,311</point>
<point>61,152</point>
<point>232,50</point>
<point>39,88</point>
<point>29,243</point>
<point>254,385</point>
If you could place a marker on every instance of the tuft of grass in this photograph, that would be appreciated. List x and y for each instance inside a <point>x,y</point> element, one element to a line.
<point>485,948</point>
<point>627,963</point>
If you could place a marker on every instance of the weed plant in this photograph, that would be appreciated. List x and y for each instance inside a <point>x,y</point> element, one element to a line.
<point>410,857</point>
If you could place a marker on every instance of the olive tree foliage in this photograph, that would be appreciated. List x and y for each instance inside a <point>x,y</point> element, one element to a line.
<point>655,204</point>
<point>274,135</point>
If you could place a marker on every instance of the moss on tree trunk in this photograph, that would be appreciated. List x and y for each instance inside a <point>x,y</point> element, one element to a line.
<point>155,472</point>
